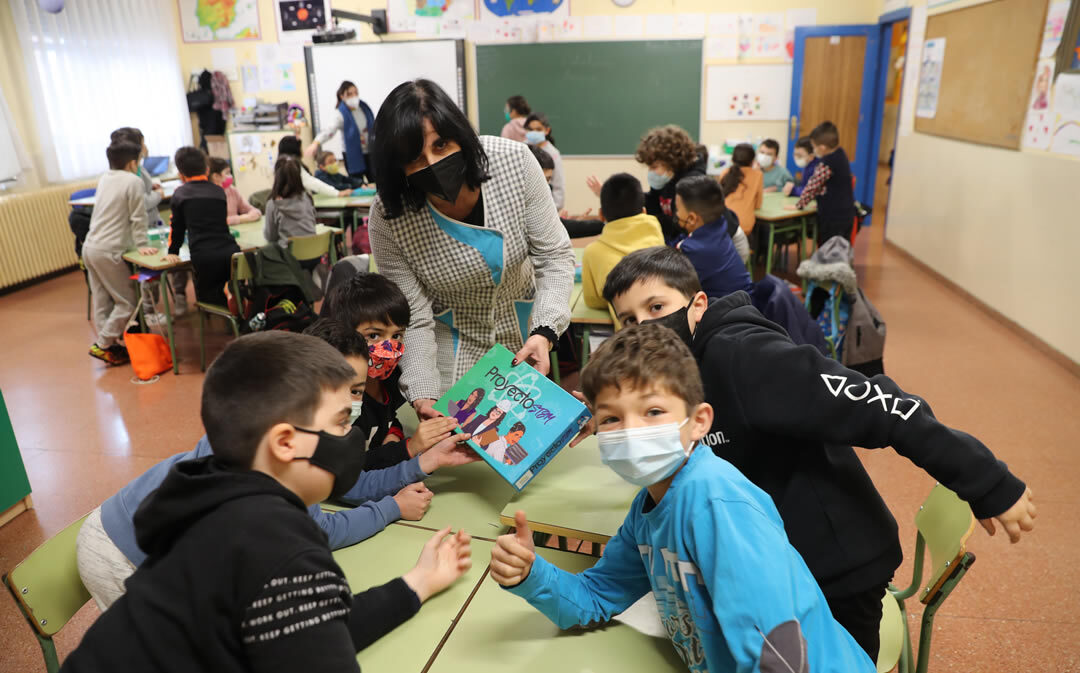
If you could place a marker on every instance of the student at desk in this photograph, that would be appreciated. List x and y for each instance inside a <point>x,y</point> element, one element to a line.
<point>239,210</point>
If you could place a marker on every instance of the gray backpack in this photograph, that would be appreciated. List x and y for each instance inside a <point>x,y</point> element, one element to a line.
<point>864,339</point>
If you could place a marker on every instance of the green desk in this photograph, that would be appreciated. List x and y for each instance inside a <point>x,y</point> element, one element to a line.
<point>354,204</point>
<point>588,318</point>
<point>14,485</point>
<point>250,238</point>
<point>575,496</point>
<point>167,189</point>
<point>782,221</point>
<point>500,632</point>
<point>391,554</point>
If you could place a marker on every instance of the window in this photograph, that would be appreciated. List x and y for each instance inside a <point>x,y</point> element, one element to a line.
<point>12,156</point>
<point>96,66</point>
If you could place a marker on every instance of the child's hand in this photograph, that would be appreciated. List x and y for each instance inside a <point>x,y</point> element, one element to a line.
<point>589,428</point>
<point>173,259</point>
<point>147,251</point>
<point>450,452</point>
<point>513,554</point>
<point>431,432</point>
<point>1021,516</point>
<point>425,409</point>
<point>441,563</point>
<point>790,206</point>
<point>413,501</point>
<point>788,186</point>
<point>594,184</point>
<point>345,192</point>
<point>156,187</point>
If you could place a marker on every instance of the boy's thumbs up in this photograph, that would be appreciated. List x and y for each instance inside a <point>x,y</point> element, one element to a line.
<point>521,529</point>
<point>513,554</point>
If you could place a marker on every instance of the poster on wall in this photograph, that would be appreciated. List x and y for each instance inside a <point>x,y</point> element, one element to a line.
<point>297,20</point>
<point>1039,121</point>
<point>933,60</point>
<point>1056,14</point>
<point>494,10</point>
<point>445,18</point>
<point>213,20</point>
<point>1066,136</point>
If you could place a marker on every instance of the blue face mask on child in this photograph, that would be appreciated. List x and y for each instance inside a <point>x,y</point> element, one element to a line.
<point>644,456</point>
<point>658,180</point>
<point>535,137</point>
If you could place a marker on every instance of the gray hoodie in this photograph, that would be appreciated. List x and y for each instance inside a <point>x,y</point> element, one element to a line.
<point>286,218</point>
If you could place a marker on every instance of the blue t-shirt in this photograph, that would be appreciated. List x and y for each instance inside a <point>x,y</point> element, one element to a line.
<point>715,259</point>
<point>776,177</point>
<point>730,588</point>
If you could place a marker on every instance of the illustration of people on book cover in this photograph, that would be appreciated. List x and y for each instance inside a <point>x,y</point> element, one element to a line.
<point>516,417</point>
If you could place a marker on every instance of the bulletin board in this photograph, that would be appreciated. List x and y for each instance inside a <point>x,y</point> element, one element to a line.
<point>988,65</point>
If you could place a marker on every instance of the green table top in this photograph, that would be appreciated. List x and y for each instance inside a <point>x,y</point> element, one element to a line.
<point>772,207</point>
<point>575,496</point>
<point>501,632</point>
<point>391,554</point>
<point>323,201</point>
<point>582,314</point>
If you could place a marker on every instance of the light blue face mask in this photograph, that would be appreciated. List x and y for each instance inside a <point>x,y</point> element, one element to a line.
<point>644,456</point>
<point>658,180</point>
<point>535,137</point>
<point>357,407</point>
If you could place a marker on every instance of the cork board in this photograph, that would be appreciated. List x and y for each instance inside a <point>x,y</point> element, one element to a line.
<point>990,54</point>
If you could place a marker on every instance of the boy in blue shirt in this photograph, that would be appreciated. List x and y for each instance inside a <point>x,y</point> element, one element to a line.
<point>708,244</point>
<point>733,594</point>
<point>776,176</point>
<point>803,154</point>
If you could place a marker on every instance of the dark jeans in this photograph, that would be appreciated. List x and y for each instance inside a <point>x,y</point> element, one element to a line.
<point>212,270</point>
<point>860,614</point>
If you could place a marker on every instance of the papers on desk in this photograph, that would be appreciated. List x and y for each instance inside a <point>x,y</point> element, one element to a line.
<point>644,617</point>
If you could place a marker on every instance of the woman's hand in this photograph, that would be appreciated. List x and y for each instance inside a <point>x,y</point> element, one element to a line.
<point>425,409</point>
<point>594,184</point>
<point>535,352</point>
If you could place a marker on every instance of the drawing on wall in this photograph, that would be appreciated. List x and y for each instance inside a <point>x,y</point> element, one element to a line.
<point>495,9</point>
<point>933,60</point>
<point>430,17</point>
<point>745,105</point>
<point>213,20</point>
<point>1039,121</point>
<point>1055,26</point>
<point>1066,136</point>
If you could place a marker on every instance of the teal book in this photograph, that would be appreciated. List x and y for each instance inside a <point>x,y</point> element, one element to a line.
<point>518,418</point>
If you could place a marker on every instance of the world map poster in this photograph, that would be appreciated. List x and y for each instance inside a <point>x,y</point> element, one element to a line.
<point>218,20</point>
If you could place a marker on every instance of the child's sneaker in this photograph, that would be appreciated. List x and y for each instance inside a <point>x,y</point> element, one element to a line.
<point>108,355</point>
<point>180,306</point>
<point>154,319</point>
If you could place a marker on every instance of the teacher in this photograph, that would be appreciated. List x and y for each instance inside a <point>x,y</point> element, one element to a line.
<point>353,119</point>
<point>466,227</point>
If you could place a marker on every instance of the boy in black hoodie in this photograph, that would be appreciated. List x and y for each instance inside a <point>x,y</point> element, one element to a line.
<point>239,577</point>
<point>787,417</point>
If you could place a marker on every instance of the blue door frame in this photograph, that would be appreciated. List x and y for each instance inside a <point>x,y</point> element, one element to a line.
<point>885,21</point>
<point>864,169</point>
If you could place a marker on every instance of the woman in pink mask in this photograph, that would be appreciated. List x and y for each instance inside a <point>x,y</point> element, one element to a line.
<point>239,209</point>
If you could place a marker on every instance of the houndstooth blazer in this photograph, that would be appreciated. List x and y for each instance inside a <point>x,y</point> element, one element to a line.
<point>458,310</point>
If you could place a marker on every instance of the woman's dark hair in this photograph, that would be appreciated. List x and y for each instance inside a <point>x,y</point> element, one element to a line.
<point>703,195</point>
<point>517,427</point>
<point>399,139</point>
<point>479,392</point>
<point>542,118</point>
<point>345,86</point>
<point>368,297</point>
<point>518,104</point>
<point>289,145</point>
<point>742,156</point>
<point>287,182</point>
<point>805,143</point>
<point>502,415</point>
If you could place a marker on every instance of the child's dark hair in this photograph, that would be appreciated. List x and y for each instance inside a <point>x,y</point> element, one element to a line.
<point>640,356</point>
<point>826,134</point>
<point>668,265</point>
<point>190,161</point>
<point>703,195</point>
<point>128,133</point>
<point>287,181</point>
<point>772,145</point>
<point>122,153</point>
<point>218,165</point>
<point>289,145</point>
<point>322,157</point>
<point>542,118</point>
<point>368,297</point>
<point>742,156</point>
<point>345,86</point>
<point>519,105</point>
<point>620,197</point>
<point>399,139</point>
<point>345,340</point>
<point>805,144</point>
<point>263,379</point>
<point>543,158</point>
<point>517,427</point>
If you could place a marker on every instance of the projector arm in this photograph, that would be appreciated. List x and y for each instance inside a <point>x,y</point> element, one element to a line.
<point>377,18</point>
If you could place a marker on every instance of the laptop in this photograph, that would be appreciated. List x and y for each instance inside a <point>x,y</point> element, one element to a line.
<point>156,165</point>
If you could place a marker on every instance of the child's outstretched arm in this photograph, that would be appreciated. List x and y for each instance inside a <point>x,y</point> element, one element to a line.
<point>617,580</point>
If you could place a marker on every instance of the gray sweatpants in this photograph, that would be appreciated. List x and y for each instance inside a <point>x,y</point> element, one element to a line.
<point>102,566</point>
<point>113,292</point>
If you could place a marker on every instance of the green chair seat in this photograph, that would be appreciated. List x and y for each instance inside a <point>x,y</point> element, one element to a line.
<point>216,309</point>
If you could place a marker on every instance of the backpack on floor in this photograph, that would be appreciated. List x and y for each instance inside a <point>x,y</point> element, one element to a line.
<point>831,308</point>
<point>279,294</point>
<point>864,349</point>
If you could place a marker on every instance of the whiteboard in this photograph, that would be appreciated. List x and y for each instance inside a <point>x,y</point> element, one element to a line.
<point>747,92</point>
<point>377,68</point>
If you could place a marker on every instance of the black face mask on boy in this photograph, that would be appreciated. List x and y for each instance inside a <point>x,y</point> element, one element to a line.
<point>341,455</point>
<point>442,179</point>
<point>677,321</point>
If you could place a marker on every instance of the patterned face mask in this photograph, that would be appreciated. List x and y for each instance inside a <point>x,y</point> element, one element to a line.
<point>384,358</point>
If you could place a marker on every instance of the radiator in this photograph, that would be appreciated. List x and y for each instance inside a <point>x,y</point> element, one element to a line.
<point>34,235</point>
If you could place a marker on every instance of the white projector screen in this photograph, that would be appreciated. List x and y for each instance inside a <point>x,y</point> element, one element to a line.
<point>377,68</point>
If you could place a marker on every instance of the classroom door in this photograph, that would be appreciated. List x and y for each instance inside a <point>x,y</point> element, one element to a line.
<point>833,79</point>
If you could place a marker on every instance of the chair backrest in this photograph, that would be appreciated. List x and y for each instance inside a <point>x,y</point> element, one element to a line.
<point>304,248</point>
<point>47,586</point>
<point>83,193</point>
<point>945,523</point>
<point>240,271</point>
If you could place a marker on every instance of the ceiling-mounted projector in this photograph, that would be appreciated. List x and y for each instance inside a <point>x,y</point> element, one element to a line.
<point>341,34</point>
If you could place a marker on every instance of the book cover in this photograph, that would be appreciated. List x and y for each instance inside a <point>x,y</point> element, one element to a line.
<point>518,418</point>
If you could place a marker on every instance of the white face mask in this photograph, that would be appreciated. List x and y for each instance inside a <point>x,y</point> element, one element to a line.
<point>357,407</point>
<point>764,160</point>
<point>353,102</point>
<point>646,455</point>
<point>801,163</point>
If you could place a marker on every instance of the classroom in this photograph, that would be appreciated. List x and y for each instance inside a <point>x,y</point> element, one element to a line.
<point>438,273</point>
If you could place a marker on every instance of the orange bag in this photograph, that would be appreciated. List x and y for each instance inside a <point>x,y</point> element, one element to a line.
<point>149,354</point>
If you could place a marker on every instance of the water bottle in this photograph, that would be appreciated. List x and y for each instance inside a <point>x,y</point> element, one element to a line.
<point>257,322</point>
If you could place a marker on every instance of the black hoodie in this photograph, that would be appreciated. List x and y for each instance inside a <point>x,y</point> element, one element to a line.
<point>787,416</point>
<point>660,203</point>
<point>239,578</point>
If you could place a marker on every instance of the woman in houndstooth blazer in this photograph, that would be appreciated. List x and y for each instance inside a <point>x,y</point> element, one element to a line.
<point>466,227</point>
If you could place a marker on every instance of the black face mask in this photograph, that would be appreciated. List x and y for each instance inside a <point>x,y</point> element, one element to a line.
<point>341,455</point>
<point>442,179</point>
<point>677,321</point>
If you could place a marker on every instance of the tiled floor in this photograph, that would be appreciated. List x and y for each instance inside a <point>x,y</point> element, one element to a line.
<point>85,431</point>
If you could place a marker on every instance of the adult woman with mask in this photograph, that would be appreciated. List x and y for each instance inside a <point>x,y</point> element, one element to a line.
<point>670,156</point>
<point>353,118</point>
<point>466,227</point>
